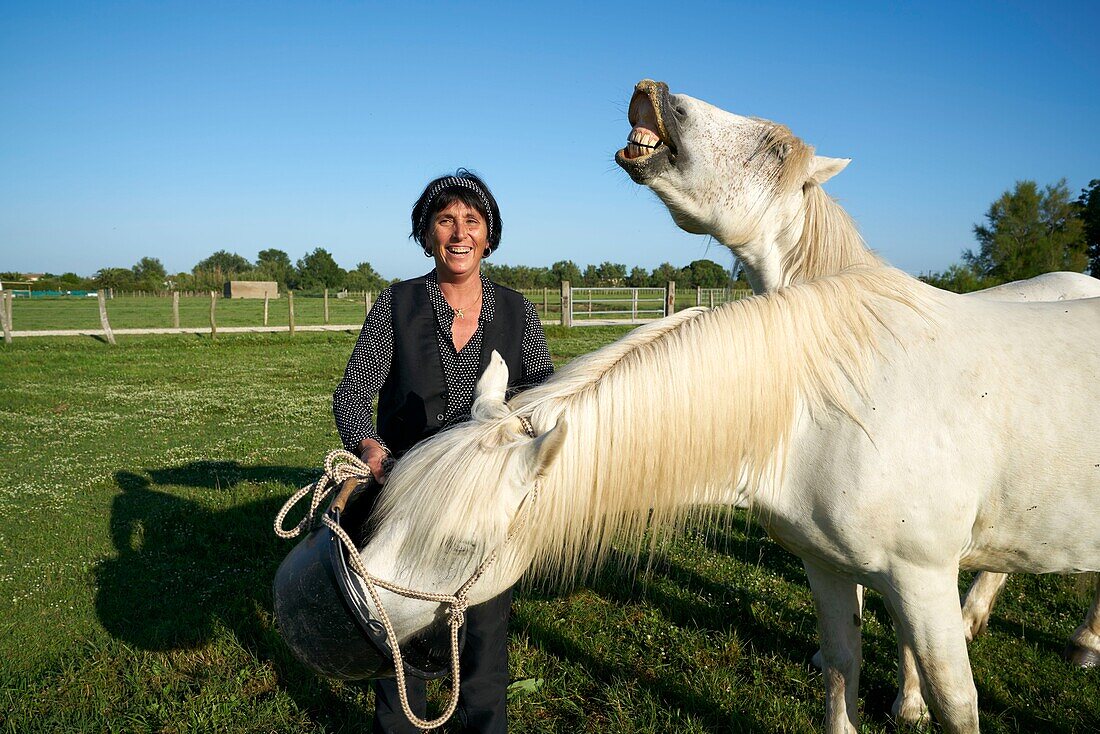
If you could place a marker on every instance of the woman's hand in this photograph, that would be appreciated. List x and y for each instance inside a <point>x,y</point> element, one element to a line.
<point>376,457</point>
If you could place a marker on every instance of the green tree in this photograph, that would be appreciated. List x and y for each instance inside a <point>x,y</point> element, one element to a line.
<point>707,274</point>
<point>638,277</point>
<point>590,277</point>
<point>211,273</point>
<point>664,273</point>
<point>1029,232</point>
<point>364,278</point>
<point>1089,213</point>
<point>149,274</point>
<point>272,264</point>
<point>121,279</point>
<point>566,270</point>
<point>227,263</point>
<point>960,278</point>
<point>319,270</point>
<point>611,274</point>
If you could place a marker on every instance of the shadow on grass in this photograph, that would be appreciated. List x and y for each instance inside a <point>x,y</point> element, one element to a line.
<point>185,574</point>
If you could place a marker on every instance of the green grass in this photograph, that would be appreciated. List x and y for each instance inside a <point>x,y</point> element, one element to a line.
<point>133,312</point>
<point>138,485</point>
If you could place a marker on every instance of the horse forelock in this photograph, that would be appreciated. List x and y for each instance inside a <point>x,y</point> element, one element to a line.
<point>661,425</point>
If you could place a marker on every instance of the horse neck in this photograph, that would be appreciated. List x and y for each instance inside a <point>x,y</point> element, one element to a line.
<point>829,242</point>
<point>697,417</point>
<point>821,240</point>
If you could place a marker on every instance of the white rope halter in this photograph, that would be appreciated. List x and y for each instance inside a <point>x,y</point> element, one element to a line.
<point>351,466</point>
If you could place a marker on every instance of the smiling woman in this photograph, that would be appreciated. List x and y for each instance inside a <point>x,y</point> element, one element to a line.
<point>422,348</point>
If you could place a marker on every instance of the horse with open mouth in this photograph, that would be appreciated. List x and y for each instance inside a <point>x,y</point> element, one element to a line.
<point>756,188</point>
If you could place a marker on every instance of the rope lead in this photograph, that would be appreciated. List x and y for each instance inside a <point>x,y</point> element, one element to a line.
<point>335,474</point>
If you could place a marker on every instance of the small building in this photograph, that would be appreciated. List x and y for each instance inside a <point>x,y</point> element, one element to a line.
<point>251,289</point>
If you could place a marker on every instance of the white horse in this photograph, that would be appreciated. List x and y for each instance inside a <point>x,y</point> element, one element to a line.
<point>886,432</point>
<point>756,188</point>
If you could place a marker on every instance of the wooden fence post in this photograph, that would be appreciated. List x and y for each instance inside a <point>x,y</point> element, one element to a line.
<point>266,297</point>
<point>213,323</point>
<point>670,298</point>
<point>368,298</point>
<point>698,296</point>
<point>633,305</point>
<point>103,317</point>
<point>175,309</point>
<point>4,296</point>
<point>7,310</point>
<point>290,306</point>
<point>326,305</point>
<point>546,303</point>
<point>566,304</point>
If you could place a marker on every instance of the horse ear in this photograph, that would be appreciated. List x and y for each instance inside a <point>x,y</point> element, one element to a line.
<point>546,448</point>
<point>489,395</point>
<point>824,168</point>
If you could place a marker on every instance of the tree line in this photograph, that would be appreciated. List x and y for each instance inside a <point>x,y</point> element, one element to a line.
<point>1029,231</point>
<point>319,270</point>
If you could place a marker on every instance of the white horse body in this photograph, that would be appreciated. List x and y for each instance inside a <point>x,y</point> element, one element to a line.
<point>887,432</point>
<point>987,466</point>
<point>757,188</point>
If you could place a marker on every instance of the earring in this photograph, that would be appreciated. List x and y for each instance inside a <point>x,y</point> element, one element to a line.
<point>427,252</point>
<point>488,252</point>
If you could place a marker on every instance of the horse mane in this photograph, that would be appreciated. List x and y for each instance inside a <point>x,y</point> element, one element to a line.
<point>664,423</point>
<point>830,241</point>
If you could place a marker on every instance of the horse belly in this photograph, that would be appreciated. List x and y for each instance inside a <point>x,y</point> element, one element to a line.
<point>1021,384</point>
<point>977,447</point>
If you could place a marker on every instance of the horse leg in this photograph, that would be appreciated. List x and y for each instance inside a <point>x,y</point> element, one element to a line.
<point>838,618</point>
<point>1083,649</point>
<point>909,706</point>
<point>980,597</point>
<point>931,625</point>
<point>818,661</point>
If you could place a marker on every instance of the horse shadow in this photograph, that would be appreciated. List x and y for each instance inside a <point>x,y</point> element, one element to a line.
<point>191,565</point>
<point>715,606</point>
<point>688,599</point>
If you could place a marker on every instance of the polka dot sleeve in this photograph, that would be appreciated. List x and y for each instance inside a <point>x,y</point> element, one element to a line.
<point>536,354</point>
<point>353,401</point>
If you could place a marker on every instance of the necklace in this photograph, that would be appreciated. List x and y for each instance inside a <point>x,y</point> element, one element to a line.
<point>460,313</point>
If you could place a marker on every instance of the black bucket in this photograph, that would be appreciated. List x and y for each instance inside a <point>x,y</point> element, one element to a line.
<point>322,612</point>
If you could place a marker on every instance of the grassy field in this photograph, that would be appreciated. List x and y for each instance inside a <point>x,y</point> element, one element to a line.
<point>133,312</point>
<point>138,485</point>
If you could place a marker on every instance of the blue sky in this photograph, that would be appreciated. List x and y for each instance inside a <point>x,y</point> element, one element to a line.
<point>176,129</point>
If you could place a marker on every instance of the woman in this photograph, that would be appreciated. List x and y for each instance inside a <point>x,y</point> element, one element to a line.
<point>422,348</point>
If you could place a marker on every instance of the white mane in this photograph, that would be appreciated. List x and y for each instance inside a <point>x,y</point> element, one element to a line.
<point>830,241</point>
<point>636,459</point>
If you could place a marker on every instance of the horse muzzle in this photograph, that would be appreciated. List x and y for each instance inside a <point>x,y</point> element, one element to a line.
<point>323,614</point>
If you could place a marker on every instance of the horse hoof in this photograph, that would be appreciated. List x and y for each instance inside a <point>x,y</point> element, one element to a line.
<point>911,711</point>
<point>1082,657</point>
<point>974,628</point>
<point>818,661</point>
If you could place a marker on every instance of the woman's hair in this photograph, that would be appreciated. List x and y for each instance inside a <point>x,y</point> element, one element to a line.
<point>442,192</point>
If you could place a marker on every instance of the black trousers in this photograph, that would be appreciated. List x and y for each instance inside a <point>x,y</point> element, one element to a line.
<point>484,670</point>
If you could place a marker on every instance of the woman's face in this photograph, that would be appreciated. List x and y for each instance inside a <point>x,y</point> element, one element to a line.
<point>459,237</point>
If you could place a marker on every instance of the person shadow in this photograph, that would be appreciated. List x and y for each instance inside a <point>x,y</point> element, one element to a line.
<point>195,562</point>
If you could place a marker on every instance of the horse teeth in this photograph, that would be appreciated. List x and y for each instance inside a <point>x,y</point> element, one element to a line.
<point>644,138</point>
